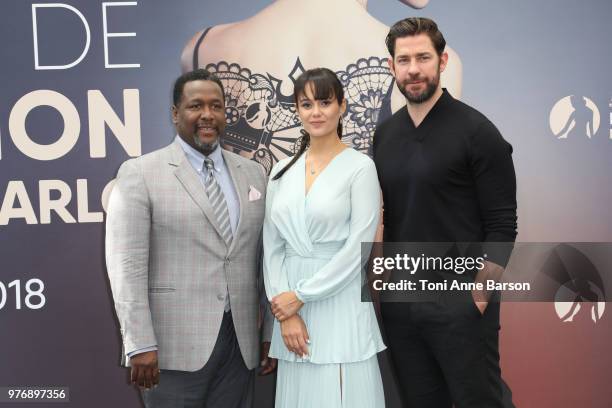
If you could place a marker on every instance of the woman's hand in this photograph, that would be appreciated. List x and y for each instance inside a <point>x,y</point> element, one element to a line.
<point>285,305</point>
<point>295,335</point>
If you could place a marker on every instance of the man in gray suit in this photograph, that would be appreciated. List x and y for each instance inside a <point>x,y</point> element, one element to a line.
<point>182,251</point>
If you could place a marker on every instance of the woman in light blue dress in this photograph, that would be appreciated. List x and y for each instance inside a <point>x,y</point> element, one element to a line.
<point>320,206</point>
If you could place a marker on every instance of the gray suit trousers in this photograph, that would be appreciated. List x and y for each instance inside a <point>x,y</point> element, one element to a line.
<point>223,382</point>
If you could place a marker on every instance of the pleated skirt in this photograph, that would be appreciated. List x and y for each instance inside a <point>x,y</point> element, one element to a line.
<point>341,327</point>
<point>338,385</point>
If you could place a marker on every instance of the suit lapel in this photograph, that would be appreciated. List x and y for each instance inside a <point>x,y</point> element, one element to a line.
<point>241,186</point>
<point>190,181</point>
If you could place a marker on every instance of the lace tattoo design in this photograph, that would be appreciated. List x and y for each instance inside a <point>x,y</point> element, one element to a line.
<point>263,122</point>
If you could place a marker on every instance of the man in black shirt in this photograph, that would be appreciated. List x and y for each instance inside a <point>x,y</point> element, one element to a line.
<point>446,175</point>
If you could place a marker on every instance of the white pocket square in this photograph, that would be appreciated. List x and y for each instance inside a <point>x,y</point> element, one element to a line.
<point>254,194</point>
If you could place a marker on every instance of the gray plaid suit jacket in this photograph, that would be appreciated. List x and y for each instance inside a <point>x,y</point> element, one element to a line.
<point>168,265</point>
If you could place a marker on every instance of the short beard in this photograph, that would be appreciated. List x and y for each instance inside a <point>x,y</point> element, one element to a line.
<point>426,95</point>
<point>423,96</point>
<point>206,148</point>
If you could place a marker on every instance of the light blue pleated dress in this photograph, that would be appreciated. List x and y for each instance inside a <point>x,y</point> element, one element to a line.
<point>312,245</point>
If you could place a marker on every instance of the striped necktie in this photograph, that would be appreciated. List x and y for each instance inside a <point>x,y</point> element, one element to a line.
<point>217,201</point>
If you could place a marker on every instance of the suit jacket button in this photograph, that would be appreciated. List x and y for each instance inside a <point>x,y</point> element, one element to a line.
<point>221,296</point>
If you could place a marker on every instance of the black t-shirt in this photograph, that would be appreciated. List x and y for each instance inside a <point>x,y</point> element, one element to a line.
<point>451,179</point>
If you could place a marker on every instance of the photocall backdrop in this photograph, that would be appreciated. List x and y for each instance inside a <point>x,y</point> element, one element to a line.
<point>86,84</point>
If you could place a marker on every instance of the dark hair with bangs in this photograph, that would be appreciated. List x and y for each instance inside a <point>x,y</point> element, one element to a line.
<point>325,85</point>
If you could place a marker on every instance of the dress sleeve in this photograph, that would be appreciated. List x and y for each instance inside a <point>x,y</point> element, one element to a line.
<point>275,278</point>
<point>347,264</point>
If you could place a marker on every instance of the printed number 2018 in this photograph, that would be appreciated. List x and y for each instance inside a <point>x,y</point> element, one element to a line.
<point>34,297</point>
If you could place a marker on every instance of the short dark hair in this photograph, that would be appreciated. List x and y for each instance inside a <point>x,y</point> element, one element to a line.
<point>195,75</point>
<point>414,26</point>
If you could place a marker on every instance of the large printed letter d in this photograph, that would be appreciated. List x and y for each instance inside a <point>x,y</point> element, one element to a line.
<point>37,64</point>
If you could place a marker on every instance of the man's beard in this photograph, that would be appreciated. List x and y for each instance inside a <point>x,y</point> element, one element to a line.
<point>424,96</point>
<point>205,148</point>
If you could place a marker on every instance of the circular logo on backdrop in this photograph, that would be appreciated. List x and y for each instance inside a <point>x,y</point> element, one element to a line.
<point>575,284</point>
<point>574,117</point>
<point>587,302</point>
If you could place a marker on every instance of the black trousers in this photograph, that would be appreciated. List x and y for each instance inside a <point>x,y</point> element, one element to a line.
<point>445,353</point>
<point>223,382</point>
